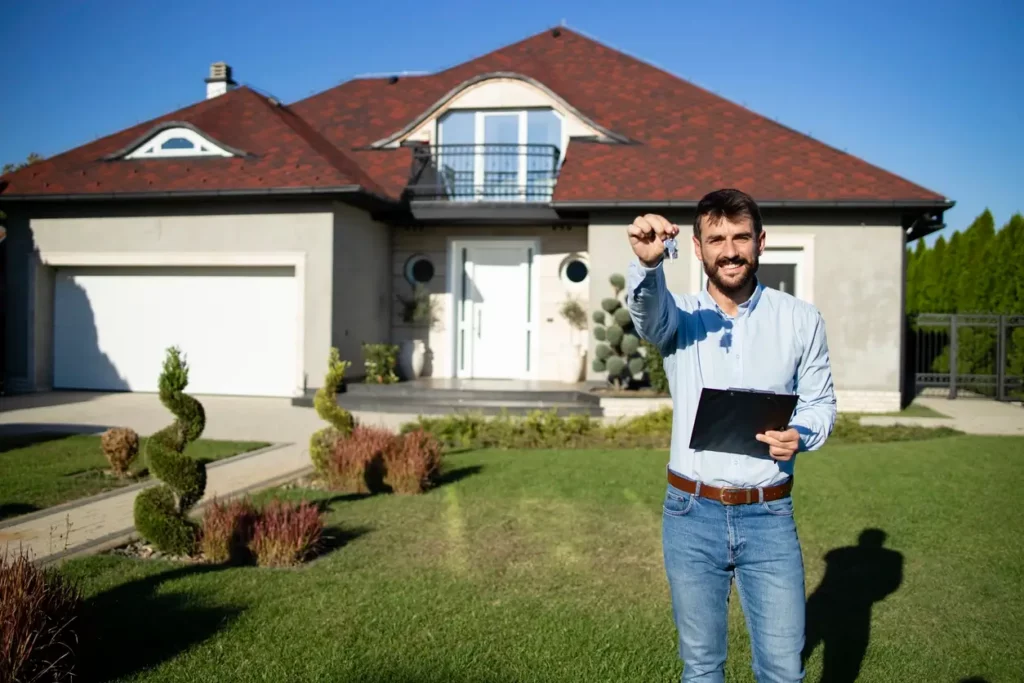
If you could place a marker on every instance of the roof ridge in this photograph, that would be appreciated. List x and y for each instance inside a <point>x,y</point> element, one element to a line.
<point>333,154</point>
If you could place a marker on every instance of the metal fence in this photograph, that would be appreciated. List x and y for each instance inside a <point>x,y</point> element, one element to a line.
<point>967,354</point>
<point>484,172</point>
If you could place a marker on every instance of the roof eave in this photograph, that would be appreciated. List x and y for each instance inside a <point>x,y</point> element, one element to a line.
<point>932,204</point>
<point>341,191</point>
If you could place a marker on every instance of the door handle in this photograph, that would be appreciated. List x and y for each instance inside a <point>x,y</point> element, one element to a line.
<point>478,319</point>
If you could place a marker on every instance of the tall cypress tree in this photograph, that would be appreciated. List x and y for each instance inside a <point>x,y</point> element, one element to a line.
<point>929,293</point>
<point>975,269</point>
<point>915,273</point>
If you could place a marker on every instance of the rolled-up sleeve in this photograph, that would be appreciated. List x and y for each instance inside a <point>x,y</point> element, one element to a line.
<point>815,413</point>
<point>651,306</point>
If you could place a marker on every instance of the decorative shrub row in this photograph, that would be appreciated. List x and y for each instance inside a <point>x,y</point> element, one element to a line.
<point>282,534</point>
<point>373,458</point>
<point>651,430</point>
<point>38,609</point>
<point>161,512</point>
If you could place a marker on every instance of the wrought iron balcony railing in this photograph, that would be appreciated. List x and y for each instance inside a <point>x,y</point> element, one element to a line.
<point>485,172</point>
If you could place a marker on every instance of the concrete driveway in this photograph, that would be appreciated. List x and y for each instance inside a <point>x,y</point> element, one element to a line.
<point>227,417</point>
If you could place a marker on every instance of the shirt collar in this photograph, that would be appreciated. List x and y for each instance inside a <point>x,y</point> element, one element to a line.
<point>745,308</point>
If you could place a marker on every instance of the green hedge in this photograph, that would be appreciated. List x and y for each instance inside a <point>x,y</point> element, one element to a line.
<point>651,430</point>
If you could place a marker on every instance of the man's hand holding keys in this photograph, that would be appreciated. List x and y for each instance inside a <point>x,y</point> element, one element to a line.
<point>647,234</point>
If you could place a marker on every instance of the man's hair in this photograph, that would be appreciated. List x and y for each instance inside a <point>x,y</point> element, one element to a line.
<point>730,204</point>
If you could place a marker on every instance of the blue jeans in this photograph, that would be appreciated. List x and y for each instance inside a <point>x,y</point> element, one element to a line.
<point>706,544</point>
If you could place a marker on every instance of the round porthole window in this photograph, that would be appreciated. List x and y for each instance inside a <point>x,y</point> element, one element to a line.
<point>419,270</point>
<point>574,272</point>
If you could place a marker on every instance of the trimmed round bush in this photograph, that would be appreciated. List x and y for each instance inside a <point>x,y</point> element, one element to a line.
<point>598,365</point>
<point>610,305</point>
<point>599,333</point>
<point>636,365</point>
<point>603,352</point>
<point>616,366</point>
<point>622,317</point>
<point>630,344</point>
<point>614,335</point>
<point>598,317</point>
<point>120,446</point>
<point>618,282</point>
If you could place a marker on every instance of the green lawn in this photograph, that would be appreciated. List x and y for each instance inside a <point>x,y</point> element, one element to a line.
<point>916,410</point>
<point>546,566</point>
<point>40,470</point>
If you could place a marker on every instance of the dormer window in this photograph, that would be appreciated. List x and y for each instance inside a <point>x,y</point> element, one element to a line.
<point>500,154</point>
<point>177,142</point>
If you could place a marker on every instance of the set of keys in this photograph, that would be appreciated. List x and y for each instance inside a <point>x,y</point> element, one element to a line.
<point>671,250</point>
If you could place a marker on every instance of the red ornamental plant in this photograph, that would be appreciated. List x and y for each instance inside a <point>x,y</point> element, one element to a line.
<point>412,462</point>
<point>355,462</point>
<point>286,534</point>
<point>227,530</point>
<point>37,610</point>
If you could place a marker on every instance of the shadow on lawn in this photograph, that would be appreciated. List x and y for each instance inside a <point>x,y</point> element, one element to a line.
<point>131,628</point>
<point>839,610</point>
<point>20,435</point>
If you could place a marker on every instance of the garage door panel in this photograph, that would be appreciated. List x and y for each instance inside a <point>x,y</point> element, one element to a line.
<point>237,328</point>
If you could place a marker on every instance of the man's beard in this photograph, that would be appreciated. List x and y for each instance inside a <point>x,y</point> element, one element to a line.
<point>747,275</point>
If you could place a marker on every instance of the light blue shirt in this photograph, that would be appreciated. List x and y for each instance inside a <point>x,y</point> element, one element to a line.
<point>775,342</point>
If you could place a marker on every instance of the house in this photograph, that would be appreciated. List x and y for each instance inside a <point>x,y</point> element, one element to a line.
<point>257,234</point>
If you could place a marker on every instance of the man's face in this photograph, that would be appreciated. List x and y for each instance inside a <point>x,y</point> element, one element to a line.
<point>729,251</point>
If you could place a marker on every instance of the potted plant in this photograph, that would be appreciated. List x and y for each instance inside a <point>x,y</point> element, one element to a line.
<point>576,315</point>
<point>422,310</point>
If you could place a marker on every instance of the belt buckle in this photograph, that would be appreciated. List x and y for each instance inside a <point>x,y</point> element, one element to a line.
<point>722,493</point>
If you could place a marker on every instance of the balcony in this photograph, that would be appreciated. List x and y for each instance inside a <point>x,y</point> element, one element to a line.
<point>479,175</point>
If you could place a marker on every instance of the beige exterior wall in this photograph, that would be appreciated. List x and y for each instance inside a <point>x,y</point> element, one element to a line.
<point>251,231</point>
<point>433,242</point>
<point>361,286</point>
<point>857,285</point>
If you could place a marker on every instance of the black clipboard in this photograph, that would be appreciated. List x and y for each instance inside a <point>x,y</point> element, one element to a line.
<point>729,420</point>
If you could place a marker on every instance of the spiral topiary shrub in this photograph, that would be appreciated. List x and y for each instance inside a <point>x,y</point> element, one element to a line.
<point>161,511</point>
<point>339,420</point>
<point>618,354</point>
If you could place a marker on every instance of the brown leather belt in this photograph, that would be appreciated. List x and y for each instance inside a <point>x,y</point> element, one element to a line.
<point>732,496</point>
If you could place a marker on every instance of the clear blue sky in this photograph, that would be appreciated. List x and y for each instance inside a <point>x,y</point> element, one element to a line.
<point>931,90</point>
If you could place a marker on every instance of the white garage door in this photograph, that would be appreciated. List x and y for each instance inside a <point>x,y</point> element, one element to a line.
<point>238,328</point>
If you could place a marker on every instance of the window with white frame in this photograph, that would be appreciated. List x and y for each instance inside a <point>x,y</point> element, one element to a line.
<point>787,268</point>
<point>500,154</point>
<point>177,142</point>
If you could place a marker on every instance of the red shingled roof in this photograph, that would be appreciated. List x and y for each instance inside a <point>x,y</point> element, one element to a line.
<point>685,140</point>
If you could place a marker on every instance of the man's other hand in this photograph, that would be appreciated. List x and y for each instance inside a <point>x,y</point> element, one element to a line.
<point>782,445</point>
<point>647,234</point>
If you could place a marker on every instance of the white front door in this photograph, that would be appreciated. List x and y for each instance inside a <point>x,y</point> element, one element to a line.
<point>495,332</point>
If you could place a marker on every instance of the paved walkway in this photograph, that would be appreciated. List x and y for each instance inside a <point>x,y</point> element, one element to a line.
<point>969,415</point>
<point>107,519</point>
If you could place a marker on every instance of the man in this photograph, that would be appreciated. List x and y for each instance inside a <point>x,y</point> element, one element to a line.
<point>731,516</point>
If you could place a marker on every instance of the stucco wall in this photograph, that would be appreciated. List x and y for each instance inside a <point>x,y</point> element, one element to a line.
<point>555,245</point>
<point>361,285</point>
<point>251,228</point>
<point>858,284</point>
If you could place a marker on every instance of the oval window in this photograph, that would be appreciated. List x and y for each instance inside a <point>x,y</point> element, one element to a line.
<point>419,270</point>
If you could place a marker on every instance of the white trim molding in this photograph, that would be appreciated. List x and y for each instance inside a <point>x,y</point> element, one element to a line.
<point>294,259</point>
<point>177,142</point>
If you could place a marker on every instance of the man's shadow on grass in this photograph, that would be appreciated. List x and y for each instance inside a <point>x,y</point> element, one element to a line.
<point>839,610</point>
<point>135,626</point>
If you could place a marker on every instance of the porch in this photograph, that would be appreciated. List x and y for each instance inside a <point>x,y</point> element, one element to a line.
<point>442,396</point>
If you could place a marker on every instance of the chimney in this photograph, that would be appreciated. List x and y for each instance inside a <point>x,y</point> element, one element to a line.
<point>220,80</point>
